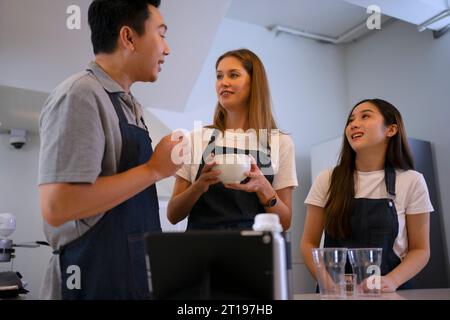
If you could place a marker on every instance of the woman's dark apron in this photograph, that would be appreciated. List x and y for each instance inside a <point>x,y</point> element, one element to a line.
<point>222,208</point>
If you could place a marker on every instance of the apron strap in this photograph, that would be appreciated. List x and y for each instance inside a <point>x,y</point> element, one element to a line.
<point>210,146</point>
<point>114,97</point>
<point>117,106</point>
<point>143,123</point>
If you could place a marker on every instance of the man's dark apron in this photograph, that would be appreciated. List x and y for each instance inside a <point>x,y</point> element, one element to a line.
<point>222,208</point>
<point>374,224</point>
<point>110,255</point>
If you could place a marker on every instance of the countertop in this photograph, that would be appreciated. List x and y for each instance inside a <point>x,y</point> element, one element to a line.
<point>415,294</point>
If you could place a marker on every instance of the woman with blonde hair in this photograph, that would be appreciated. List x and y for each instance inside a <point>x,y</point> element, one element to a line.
<point>243,123</point>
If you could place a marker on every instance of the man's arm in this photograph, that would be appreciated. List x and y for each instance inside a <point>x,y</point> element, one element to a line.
<point>63,202</point>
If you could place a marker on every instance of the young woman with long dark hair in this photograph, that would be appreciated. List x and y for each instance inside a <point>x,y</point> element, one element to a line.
<point>373,197</point>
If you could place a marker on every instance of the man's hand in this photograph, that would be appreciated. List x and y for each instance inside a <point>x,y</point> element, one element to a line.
<point>165,162</point>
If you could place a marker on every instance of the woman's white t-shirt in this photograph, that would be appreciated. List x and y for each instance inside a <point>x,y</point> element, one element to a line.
<point>411,196</point>
<point>282,155</point>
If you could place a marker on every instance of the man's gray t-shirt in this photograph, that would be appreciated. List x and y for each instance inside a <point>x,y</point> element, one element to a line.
<point>80,141</point>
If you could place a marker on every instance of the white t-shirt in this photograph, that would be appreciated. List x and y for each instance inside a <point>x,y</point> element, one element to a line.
<point>282,155</point>
<point>411,196</point>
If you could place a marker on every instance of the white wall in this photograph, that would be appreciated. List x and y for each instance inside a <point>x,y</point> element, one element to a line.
<point>19,196</point>
<point>38,51</point>
<point>411,70</point>
<point>308,87</point>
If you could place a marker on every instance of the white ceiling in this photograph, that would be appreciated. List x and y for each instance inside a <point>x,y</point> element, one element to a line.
<point>412,11</point>
<point>20,108</point>
<point>41,52</point>
<point>333,18</point>
<point>37,51</point>
<point>326,17</point>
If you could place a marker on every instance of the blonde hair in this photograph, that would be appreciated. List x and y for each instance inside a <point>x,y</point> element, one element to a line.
<point>260,104</point>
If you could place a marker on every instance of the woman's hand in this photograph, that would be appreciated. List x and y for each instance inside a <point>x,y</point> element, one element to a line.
<point>388,284</point>
<point>207,177</point>
<point>257,183</point>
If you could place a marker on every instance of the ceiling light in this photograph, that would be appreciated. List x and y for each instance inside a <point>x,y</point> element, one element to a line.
<point>434,19</point>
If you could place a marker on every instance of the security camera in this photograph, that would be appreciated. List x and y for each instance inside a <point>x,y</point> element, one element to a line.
<point>18,138</point>
<point>17,142</point>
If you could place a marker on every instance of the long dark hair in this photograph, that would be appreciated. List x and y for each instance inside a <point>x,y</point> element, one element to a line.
<point>339,206</point>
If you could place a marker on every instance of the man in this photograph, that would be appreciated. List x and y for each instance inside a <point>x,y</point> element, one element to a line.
<point>97,170</point>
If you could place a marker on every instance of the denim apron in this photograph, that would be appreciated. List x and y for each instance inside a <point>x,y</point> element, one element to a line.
<point>222,208</point>
<point>374,223</point>
<point>111,255</point>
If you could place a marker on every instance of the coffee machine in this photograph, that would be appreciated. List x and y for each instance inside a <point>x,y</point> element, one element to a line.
<point>11,284</point>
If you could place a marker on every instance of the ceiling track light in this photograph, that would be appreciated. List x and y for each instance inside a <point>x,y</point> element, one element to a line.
<point>348,36</point>
<point>436,18</point>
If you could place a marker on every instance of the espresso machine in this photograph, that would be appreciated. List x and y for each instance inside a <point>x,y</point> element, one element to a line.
<point>11,284</point>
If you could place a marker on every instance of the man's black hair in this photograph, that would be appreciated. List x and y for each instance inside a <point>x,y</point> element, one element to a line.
<point>107,17</point>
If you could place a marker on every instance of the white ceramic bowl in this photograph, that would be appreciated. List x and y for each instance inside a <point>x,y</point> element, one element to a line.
<point>232,167</point>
